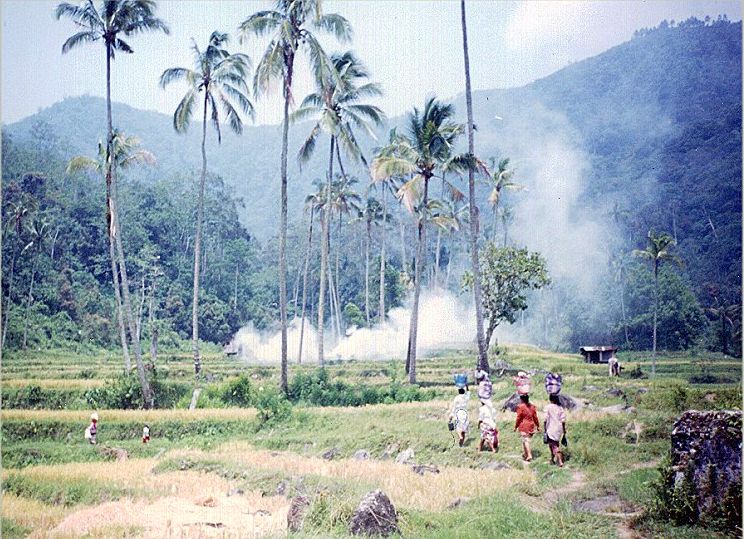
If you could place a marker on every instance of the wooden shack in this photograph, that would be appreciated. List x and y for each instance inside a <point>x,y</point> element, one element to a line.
<point>597,354</point>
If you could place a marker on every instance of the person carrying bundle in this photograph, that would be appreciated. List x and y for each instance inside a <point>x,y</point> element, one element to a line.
<point>459,414</point>
<point>487,426</point>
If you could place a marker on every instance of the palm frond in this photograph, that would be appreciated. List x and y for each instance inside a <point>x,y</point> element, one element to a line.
<point>215,115</point>
<point>302,113</point>
<point>271,67</point>
<point>184,111</point>
<point>259,24</point>
<point>336,25</point>
<point>232,116</point>
<point>241,99</point>
<point>121,45</point>
<point>178,73</point>
<point>81,162</point>
<point>308,147</point>
<point>410,192</point>
<point>73,41</point>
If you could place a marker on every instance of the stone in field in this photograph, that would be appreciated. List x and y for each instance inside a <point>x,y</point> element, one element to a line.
<point>422,469</point>
<point>390,451</point>
<point>331,453</point>
<point>362,454</point>
<point>296,514</point>
<point>405,457</point>
<point>375,515</point>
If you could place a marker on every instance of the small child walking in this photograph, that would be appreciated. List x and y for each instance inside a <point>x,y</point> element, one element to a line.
<point>555,428</point>
<point>145,434</point>
<point>92,430</point>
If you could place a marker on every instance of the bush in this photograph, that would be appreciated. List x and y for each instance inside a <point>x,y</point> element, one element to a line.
<point>125,393</point>
<point>271,407</point>
<point>238,392</point>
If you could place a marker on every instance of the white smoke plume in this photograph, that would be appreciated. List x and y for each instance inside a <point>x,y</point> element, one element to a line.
<point>445,321</point>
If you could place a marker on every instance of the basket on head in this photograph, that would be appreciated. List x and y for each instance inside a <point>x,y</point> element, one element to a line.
<point>94,416</point>
<point>523,383</point>
<point>553,383</point>
<point>461,380</point>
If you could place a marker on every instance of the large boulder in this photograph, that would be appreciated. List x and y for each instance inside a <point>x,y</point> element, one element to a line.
<point>706,462</point>
<point>375,515</point>
<point>296,514</point>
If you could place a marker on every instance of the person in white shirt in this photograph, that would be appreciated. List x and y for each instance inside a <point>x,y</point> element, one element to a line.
<point>459,413</point>
<point>555,429</point>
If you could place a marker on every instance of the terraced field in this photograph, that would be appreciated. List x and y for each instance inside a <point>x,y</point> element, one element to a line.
<point>221,471</point>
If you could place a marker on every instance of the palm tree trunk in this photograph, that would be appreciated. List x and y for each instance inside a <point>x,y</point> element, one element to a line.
<point>404,261</point>
<point>382,256</point>
<point>366,273</point>
<point>336,290</point>
<point>289,64</point>
<point>493,225</point>
<point>8,302</point>
<point>418,272</point>
<point>235,290</point>
<point>28,303</point>
<point>115,233</point>
<point>622,309</point>
<point>304,285</point>
<point>475,264</point>
<point>656,308</point>
<point>324,225</point>
<point>197,244</point>
<point>437,258</point>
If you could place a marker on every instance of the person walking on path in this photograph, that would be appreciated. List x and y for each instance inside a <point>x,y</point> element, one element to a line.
<point>487,426</point>
<point>555,429</point>
<point>459,413</point>
<point>527,424</point>
<point>92,430</point>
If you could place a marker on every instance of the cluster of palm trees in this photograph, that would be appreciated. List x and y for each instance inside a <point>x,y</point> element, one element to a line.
<point>218,82</point>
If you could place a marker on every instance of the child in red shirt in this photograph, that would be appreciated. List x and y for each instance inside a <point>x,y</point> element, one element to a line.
<point>527,424</point>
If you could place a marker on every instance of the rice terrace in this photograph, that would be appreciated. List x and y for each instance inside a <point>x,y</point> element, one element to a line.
<point>419,269</point>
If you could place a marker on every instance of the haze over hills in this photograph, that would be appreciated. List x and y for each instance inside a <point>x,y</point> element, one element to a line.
<point>651,128</point>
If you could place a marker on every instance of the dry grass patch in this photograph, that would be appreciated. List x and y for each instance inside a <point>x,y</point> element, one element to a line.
<point>31,514</point>
<point>431,492</point>
<point>55,383</point>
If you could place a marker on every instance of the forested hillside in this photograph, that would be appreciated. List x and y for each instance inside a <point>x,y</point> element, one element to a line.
<point>644,136</point>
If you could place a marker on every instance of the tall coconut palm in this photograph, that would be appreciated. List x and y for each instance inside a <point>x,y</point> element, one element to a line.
<point>619,268</point>
<point>37,232</point>
<point>658,250</point>
<point>336,104</point>
<point>371,213</point>
<point>449,218</point>
<point>422,152</point>
<point>475,265</point>
<point>114,20</point>
<point>289,26</point>
<point>222,78</point>
<point>126,152</point>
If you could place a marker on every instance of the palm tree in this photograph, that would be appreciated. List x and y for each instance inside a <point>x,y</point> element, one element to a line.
<point>343,201</point>
<point>288,27</point>
<point>126,152</point>
<point>313,202</point>
<point>475,265</point>
<point>424,150</point>
<point>657,251</point>
<point>371,213</point>
<point>448,217</point>
<point>619,270</point>
<point>500,180</point>
<point>336,105</point>
<point>114,19</point>
<point>222,77</point>
<point>37,231</point>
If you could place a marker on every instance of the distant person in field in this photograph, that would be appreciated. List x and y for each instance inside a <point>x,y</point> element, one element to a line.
<point>92,430</point>
<point>527,424</point>
<point>459,413</point>
<point>614,366</point>
<point>555,429</point>
<point>487,426</point>
<point>145,434</point>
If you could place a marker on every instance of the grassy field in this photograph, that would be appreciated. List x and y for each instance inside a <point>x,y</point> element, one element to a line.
<point>225,471</point>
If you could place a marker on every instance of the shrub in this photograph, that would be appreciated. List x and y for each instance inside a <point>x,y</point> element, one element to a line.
<point>238,392</point>
<point>271,407</point>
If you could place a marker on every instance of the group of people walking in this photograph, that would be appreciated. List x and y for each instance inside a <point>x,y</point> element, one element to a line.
<point>527,421</point>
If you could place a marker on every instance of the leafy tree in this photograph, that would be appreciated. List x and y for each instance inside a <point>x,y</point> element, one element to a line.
<point>658,250</point>
<point>508,273</point>
<point>475,264</point>
<point>288,26</point>
<point>221,76</point>
<point>114,19</point>
<point>500,180</point>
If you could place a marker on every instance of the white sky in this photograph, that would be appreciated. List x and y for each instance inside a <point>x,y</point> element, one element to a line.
<point>412,47</point>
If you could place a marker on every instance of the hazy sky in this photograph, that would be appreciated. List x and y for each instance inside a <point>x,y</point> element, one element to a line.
<point>412,47</point>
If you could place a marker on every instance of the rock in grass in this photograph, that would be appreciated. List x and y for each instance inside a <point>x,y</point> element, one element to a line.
<point>116,453</point>
<point>458,502</point>
<point>282,488</point>
<point>405,457</point>
<point>422,469</point>
<point>375,515</point>
<point>706,464</point>
<point>495,465</point>
<point>296,514</point>
<point>331,453</point>
<point>362,454</point>
<point>390,451</point>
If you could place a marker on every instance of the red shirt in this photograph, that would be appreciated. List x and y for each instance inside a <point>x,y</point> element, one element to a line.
<point>527,421</point>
